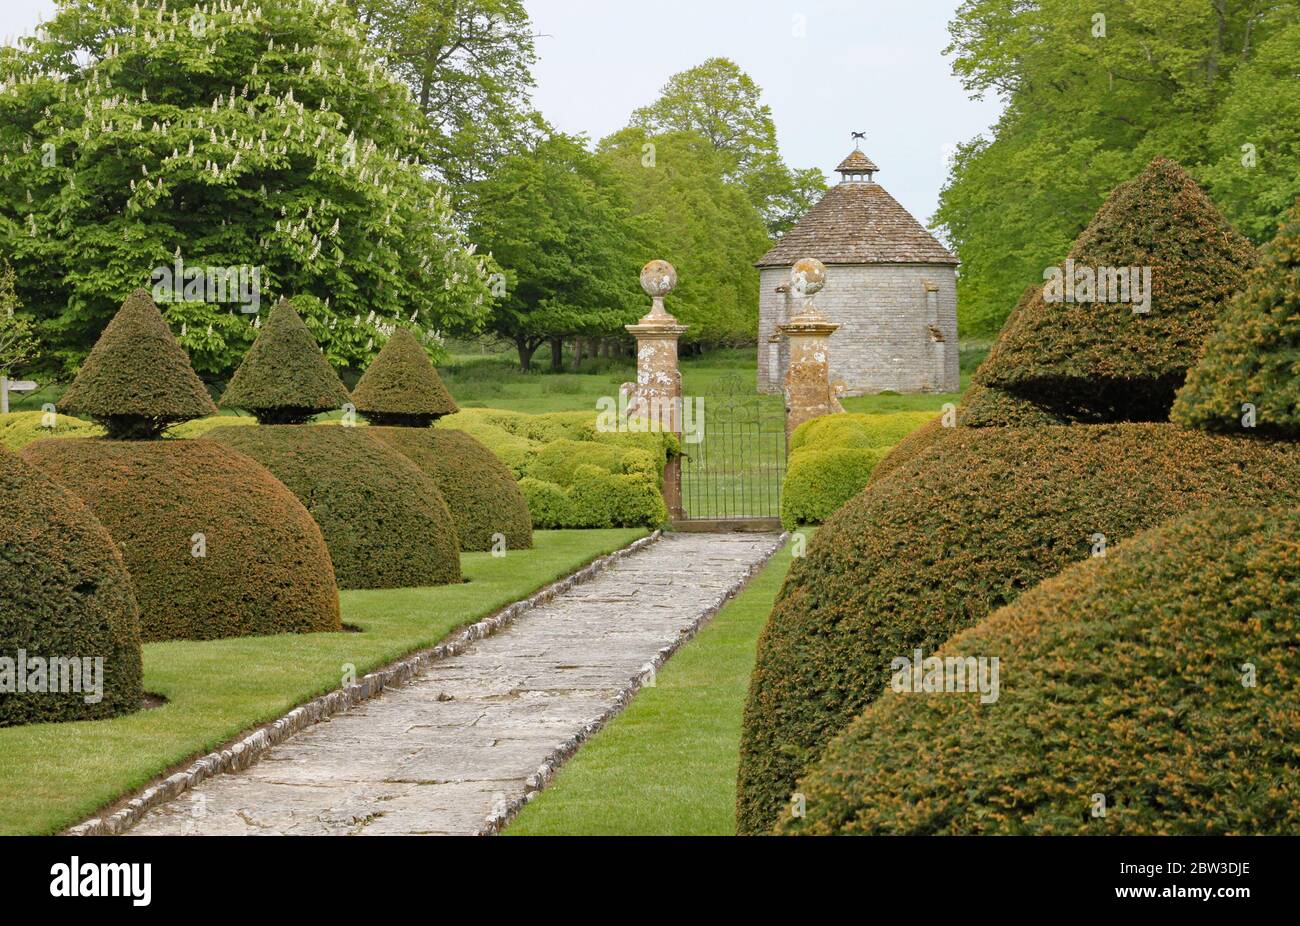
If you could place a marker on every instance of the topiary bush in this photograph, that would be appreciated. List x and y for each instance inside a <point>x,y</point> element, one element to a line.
<point>479,490</point>
<point>1101,361</point>
<point>1253,356</point>
<point>264,568</point>
<point>401,388</point>
<point>18,429</point>
<point>548,504</point>
<point>137,381</point>
<point>990,407</point>
<point>202,426</point>
<point>65,595</point>
<point>1121,677</point>
<point>284,378</point>
<point>384,521</point>
<point>949,536</point>
<point>831,459</point>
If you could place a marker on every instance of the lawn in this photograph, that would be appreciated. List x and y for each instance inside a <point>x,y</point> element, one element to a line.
<point>667,764</point>
<point>54,775</point>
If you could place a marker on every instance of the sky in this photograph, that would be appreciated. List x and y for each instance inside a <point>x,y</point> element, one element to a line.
<point>827,68</point>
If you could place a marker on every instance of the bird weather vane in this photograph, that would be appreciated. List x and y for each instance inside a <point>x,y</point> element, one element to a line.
<point>857,140</point>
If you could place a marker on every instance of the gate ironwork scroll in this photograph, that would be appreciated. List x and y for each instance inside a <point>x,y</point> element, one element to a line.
<point>734,471</point>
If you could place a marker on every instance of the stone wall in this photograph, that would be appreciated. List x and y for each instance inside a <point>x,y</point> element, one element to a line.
<point>884,341</point>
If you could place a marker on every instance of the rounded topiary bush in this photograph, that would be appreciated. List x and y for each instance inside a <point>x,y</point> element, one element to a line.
<point>263,567</point>
<point>479,490</point>
<point>1102,361</point>
<point>18,429</point>
<point>819,480</point>
<point>385,522</point>
<point>946,538</point>
<point>910,447</point>
<point>65,596</point>
<point>1121,677</point>
<point>1253,357</point>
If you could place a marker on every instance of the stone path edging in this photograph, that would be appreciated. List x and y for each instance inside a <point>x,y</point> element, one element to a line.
<point>547,770</point>
<point>249,749</point>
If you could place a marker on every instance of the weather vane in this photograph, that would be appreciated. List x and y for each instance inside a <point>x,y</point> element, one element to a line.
<point>857,139</point>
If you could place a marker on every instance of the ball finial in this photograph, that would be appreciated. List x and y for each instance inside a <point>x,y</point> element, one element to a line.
<point>807,276</point>
<point>658,278</point>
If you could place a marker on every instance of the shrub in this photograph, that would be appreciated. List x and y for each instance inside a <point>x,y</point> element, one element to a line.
<point>1101,361</point>
<point>385,522</point>
<point>265,569</point>
<point>479,490</point>
<point>558,461</point>
<point>1120,677</point>
<point>18,429</point>
<point>910,447</point>
<point>596,498</point>
<point>990,407</point>
<point>401,387</point>
<point>65,594</point>
<point>137,381</point>
<point>1254,354</point>
<point>548,504</point>
<point>832,458</point>
<point>956,532</point>
<point>201,427</point>
<point>284,378</point>
<point>510,448</point>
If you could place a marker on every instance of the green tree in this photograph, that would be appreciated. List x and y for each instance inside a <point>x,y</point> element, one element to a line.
<point>18,345</point>
<point>686,213</point>
<point>1092,95</point>
<point>271,137</point>
<point>722,103</point>
<point>469,65</point>
<point>553,218</point>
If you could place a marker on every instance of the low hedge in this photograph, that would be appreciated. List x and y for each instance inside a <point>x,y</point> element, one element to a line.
<point>832,457</point>
<point>385,522</point>
<point>18,429</point>
<point>479,490</point>
<point>201,427</point>
<point>265,568</point>
<point>956,532</point>
<point>1121,677</point>
<point>66,595</point>
<point>546,452</point>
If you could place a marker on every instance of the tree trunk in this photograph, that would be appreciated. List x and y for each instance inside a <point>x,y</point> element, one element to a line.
<point>525,353</point>
<point>557,355</point>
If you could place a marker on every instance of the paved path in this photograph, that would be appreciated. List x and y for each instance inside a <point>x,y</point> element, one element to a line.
<point>441,754</point>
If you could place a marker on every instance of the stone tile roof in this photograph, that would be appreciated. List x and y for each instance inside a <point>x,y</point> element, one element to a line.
<point>856,163</point>
<point>858,223</point>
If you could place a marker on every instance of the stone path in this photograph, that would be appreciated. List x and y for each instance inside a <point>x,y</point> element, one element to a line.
<point>458,744</point>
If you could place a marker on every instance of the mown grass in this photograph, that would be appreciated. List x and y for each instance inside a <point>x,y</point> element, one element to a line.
<point>667,764</point>
<point>54,775</point>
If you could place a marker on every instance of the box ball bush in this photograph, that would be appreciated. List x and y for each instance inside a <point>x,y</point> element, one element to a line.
<point>65,594</point>
<point>384,521</point>
<point>480,491</point>
<point>1102,361</point>
<point>18,429</point>
<point>1122,677</point>
<point>947,538</point>
<point>264,568</point>
<point>1253,356</point>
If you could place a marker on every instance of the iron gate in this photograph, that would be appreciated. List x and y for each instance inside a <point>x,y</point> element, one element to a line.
<point>733,472</point>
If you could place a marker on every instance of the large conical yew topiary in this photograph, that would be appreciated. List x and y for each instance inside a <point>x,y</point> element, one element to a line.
<point>137,380</point>
<point>284,378</point>
<point>1253,357</point>
<point>1099,361</point>
<point>401,387</point>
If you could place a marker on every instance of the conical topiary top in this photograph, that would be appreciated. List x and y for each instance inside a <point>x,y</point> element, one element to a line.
<point>1249,375</point>
<point>401,387</point>
<point>284,378</point>
<point>1110,360</point>
<point>137,380</point>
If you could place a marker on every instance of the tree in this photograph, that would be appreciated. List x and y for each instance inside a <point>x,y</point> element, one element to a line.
<point>685,212</point>
<point>469,64</point>
<point>18,345</point>
<point>140,143</point>
<point>1092,97</point>
<point>722,103</point>
<point>554,219</point>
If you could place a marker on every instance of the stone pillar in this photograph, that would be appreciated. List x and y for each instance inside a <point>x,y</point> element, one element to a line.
<point>808,392</point>
<point>657,392</point>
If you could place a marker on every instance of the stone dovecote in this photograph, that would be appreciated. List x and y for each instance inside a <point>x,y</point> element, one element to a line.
<point>890,286</point>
